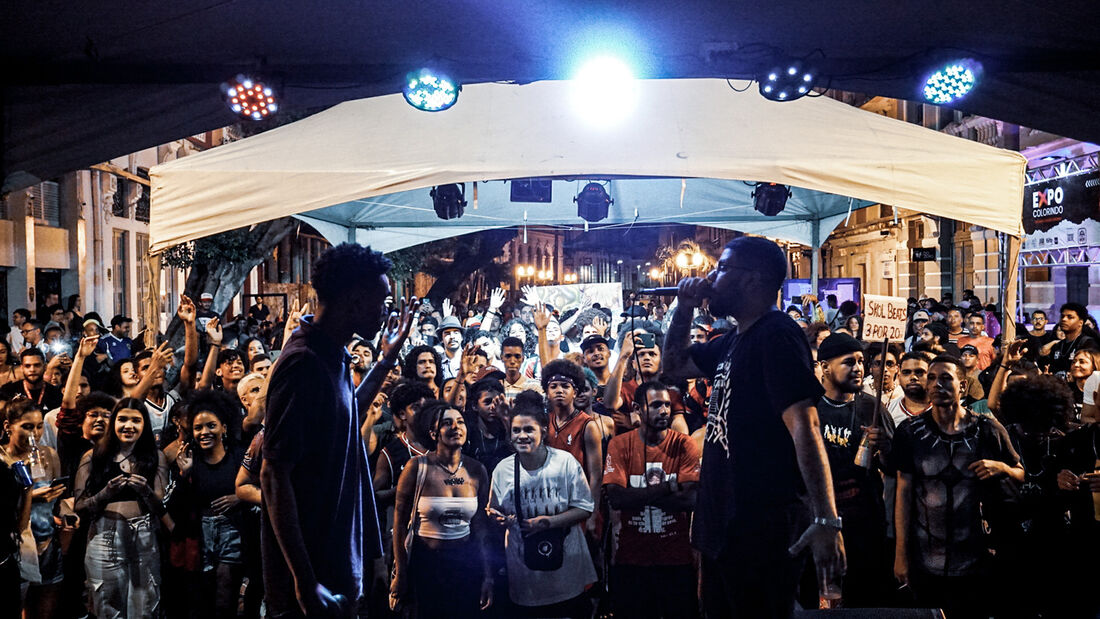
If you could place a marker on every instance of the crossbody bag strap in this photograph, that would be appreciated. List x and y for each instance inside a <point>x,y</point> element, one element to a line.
<point>516,490</point>
<point>414,515</point>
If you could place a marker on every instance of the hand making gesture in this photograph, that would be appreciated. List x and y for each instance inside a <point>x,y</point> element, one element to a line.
<point>214,331</point>
<point>186,310</point>
<point>541,317</point>
<point>397,328</point>
<point>87,347</point>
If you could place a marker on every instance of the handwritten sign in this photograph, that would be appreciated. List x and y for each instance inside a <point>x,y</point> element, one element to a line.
<point>884,318</point>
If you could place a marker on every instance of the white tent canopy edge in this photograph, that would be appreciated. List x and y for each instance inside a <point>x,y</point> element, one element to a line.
<point>695,129</point>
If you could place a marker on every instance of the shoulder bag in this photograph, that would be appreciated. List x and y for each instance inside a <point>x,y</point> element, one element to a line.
<point>543,551</point>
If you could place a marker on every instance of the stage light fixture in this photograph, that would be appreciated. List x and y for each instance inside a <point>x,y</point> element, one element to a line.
<point>604,90</point>
<point>449,200</point>
<point>770,198</point>
<point>593,203</point>
<point>430,91</point>
<point>788,82</point>
<point>951,82</point>
<point>251,98</point>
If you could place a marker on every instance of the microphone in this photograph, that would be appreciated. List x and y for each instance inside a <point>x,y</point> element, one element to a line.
<point>664,291</point>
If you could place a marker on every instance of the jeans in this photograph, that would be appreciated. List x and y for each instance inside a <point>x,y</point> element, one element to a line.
<point>123,566</point>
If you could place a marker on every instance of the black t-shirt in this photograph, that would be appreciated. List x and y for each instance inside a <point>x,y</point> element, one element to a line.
<point>487,451</point>
<point>858,490</point>
<point>312,430</point>
<point>1035,343</point>
<point>47,396</point>
<point>213,481</point>
<point>750,471</point>
<point>1062,355</point>
<point>10,494</point>
<point>946,530</point>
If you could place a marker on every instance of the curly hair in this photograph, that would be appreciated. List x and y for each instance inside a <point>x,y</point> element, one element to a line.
<point>530,338</point>
<point>344,262</point>
<point>1038,403</point>
<point>565,368</point>
<point>225,407</point>
<point>408,367</point>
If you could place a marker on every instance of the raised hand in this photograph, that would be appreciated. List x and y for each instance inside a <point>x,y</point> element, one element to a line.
<point>87,346</point>
<point>469,356</point>
<point>186,310</point>
<point>496,299</point>
<point>600,325</point>
<point>531,296</point>
<point>162,356</point>
<point>541,317</point>
<point>294,319</point>
<point>448,309</point>
<point>214,330</point>
<point>397,328</point>
<point>1015,350</point>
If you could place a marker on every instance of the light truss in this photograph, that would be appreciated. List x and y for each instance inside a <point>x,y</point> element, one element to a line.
<point>1063,256</point>
<point>1065,167</point>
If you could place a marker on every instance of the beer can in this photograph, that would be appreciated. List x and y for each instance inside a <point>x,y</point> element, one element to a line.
<point>863,453</point>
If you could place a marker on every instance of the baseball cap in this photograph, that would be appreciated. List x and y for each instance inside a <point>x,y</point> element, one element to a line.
<point>969,348</point>
<point>92,321</point>
<point>592,340</point>
<point>921,315</point>
<point>206,296</point>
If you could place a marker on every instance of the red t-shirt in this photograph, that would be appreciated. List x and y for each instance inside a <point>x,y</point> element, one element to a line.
<point>650,535</point>
<point>626,392</point>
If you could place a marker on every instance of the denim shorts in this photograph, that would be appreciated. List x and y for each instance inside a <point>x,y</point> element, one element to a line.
<point>221,542</point>
<point>123,566</point>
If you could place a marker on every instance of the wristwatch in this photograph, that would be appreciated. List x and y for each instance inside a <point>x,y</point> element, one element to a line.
<point>835,523</point>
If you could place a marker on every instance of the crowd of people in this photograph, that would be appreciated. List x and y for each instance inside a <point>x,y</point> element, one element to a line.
<point>509,459</point>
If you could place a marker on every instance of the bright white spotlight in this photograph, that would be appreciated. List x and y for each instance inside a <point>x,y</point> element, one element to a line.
<point>604,90</point>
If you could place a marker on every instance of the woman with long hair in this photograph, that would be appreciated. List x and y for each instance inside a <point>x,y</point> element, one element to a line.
<point>553,498</point>
<point>441,499</point>
<point>23,427</point>
<point>119,489</point>
<point>122,378</point>
<point>10,371</point>
<point>209,466</point>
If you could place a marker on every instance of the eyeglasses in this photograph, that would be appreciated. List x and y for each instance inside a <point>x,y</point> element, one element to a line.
<point>26,331</point>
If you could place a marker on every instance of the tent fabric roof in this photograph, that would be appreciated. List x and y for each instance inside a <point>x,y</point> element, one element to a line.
<point>692,129</point>
<point>85,82</point>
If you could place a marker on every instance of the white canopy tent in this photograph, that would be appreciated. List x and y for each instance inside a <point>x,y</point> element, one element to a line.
<point>359,171</point>
<point>693,129</point>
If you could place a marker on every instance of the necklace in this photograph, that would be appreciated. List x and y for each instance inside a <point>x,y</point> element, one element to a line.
<point>453,479</point>
<point>835,403</point>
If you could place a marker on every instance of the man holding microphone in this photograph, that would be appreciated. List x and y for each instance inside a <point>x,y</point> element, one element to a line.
<point>763,445</point>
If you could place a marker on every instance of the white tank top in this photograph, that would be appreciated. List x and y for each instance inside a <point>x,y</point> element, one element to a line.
<point>446,517</point>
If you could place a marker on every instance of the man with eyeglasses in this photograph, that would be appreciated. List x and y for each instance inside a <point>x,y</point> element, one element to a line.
<point>1037,335</point>
<point>32,336</point>
<point>891,390</point>
<point>762,444</point>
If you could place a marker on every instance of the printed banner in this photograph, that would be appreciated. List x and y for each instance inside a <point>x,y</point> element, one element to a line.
<point>582,296</point>
<point>884,317</point>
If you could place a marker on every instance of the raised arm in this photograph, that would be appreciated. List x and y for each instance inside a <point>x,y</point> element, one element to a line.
<point>1011,355</point>
<point>612,392</point>
<point>214,332</point>
<point>72,384</point>
<point>392,339</point>
<point>541,318</point>
<point>186,313</point>
<point>677,363</point>
<point>161,358</point>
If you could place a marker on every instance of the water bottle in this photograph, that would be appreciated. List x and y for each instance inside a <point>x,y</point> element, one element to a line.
<point>37,462</point>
